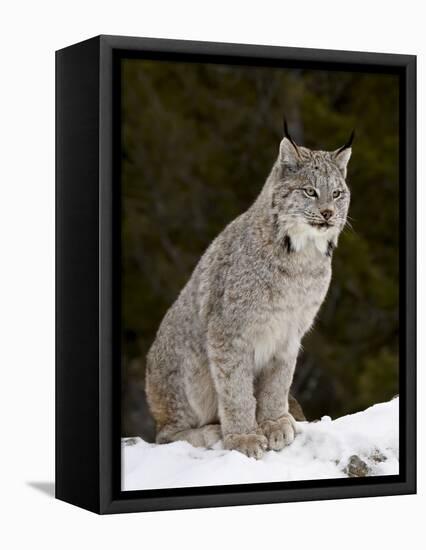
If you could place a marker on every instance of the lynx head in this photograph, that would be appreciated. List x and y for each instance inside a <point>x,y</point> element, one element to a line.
<point>310,198</point>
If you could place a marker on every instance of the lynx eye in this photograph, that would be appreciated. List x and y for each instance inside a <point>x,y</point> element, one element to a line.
<point>310,192</point>
<point>336,193</point>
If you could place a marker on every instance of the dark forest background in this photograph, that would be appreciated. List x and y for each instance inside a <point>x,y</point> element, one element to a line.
<point>198,141</point>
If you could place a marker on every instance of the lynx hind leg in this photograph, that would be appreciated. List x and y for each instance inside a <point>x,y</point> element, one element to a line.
<point>206,436</point>
<point>295,409</point>
<point>174,417</point>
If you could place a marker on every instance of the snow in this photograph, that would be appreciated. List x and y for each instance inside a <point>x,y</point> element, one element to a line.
<point>322,450</point>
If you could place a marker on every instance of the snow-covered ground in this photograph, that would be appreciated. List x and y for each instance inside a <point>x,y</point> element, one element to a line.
<point>365,443</point>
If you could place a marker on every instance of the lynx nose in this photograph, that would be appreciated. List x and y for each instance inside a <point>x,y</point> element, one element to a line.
<point>327,213</point>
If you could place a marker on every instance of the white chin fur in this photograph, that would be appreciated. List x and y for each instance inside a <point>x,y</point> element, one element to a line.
<point>305,236</point>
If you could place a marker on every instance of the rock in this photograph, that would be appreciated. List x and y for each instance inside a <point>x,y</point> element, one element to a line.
<point>356,467</point>
<point>378,457</point>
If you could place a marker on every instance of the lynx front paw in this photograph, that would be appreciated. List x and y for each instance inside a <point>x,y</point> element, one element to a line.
<point>251,445</point>
<point>280,432</point>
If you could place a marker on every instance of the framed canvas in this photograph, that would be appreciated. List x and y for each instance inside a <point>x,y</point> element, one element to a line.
<point>235,274</point>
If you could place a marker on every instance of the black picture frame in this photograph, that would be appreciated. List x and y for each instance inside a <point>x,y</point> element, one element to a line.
<point>88,458</point>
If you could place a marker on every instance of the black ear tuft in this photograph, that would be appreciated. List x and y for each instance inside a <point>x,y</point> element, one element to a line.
<point>348,144</point>
<point>287,134</point>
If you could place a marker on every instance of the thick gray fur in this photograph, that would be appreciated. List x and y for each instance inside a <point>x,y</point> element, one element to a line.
<point>223,359</point>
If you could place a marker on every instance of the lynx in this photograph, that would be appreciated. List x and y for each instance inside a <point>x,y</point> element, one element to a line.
<point>223,359</point>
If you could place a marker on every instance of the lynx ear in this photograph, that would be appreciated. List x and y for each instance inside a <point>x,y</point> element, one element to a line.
<point>289,152</point>
<point>289,155</point>
<point>341,156</point>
